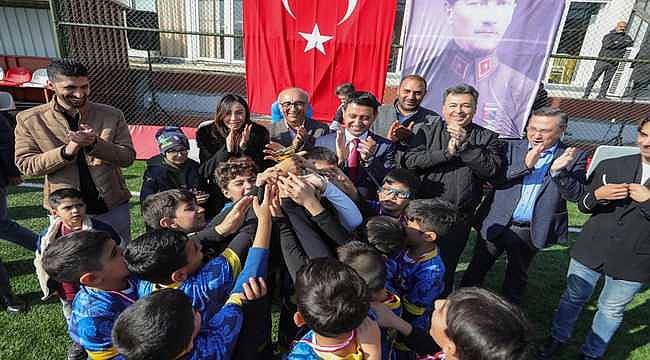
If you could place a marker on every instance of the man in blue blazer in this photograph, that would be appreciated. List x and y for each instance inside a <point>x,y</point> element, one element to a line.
<point>529,209</point>
<point>364,156</point>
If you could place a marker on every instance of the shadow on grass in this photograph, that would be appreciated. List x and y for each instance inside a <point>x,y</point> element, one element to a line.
<point>20,267</point>
<point>33,299</point>
<point>25,212</point>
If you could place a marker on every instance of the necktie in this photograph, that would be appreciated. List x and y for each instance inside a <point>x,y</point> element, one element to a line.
<point>353,161</point>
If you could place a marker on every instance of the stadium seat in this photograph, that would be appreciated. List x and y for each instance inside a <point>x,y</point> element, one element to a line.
<point>15,77</point>
<point>6,102</point>
<point>39,79</point>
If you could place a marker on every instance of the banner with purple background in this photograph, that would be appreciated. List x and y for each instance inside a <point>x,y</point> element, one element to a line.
<point>498,46</point>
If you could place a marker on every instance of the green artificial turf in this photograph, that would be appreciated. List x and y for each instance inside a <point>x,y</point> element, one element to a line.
<point>41,332</point>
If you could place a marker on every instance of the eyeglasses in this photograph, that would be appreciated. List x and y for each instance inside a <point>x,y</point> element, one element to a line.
<point>298,105</point>
<point>395,193</point>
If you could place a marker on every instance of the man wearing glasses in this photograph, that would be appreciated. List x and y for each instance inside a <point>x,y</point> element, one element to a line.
<point>529,210</point>
<point>296,129</point>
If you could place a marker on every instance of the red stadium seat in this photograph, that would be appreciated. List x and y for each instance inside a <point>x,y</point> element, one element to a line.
<point>15,77</point>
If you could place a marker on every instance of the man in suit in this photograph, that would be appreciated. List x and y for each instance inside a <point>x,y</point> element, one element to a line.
<point>529,209</point>
<point>9,229</point>
<point>454,158</point>
<point>365,156</point>
<point>295,128</point>
<point>400,120</point>
<point>614,243</point>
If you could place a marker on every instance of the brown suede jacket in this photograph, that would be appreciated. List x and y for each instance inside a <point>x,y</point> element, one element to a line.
<point>41,134</point>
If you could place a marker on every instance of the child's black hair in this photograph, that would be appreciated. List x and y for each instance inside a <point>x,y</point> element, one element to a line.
<point>69,257</point>
<point>386,234</point>
<point>156,255</point>
<point>57,196</point>
<point>332,298</point>
<point>432,215</point>
<point>320,153</point>
<point>159,326</point>
<point>483,325</point>
<point>164,204</point>
<point>403,176</point>
<point>366,261</point>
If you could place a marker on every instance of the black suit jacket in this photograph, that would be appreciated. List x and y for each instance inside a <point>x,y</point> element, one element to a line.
<point>616,239</point>
<point>7,165</point>
<point>550,218</point>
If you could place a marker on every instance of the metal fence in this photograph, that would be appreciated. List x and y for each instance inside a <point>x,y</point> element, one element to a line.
<point>171,66</point>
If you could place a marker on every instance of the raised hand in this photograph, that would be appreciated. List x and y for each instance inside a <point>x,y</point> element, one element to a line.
<point>457,132</point>
<point>639,193</point>
<point>301,135</point>
<point>235,218</point>
<point>275,207</point>
<point>564,160</point>
<point>263,210</point>
<point>612,192</point>
<point>452,146</point>
<point>533,155</point>
<point>397,132</point>
<point>245,136</point>
<point>341,146</point>
<point>367,148</point>
<point>231,141</point>
<point>254,289</point>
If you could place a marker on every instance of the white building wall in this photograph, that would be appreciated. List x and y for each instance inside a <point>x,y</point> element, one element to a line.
<point>26,32</point>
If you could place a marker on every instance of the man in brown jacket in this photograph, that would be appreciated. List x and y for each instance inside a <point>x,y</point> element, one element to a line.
<point>78,144</point>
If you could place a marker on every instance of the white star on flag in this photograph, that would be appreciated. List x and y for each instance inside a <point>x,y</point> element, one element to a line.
<point>315,40</point>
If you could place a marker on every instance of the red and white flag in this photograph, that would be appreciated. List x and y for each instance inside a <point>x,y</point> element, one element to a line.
<point>315,45</point>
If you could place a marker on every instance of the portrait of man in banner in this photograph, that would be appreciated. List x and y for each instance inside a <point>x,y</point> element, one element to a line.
<point>481,43</point>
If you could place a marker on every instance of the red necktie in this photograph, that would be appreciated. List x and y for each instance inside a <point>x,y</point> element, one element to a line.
<point>353,161</point>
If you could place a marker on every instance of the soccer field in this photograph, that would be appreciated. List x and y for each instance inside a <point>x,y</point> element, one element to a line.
<point>41,332</point>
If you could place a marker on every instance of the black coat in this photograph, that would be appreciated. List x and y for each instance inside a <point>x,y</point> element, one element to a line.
<point>616,238</point>
<point>7,164</point>
<point>614,45</point>
<point>641,72</point>
<point>213,150</point>
<point>160,177</point>
<point>459,178</point>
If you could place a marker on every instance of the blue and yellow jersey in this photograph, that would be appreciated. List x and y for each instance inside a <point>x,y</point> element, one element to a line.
<point>388,336</point>
<point>218,337</point>
<point>303,350</point>
<point>419,282</point>
<point>209,287</point>
<point>93,313</point>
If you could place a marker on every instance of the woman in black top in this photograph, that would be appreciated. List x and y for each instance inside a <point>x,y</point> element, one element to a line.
<point>232,134</point>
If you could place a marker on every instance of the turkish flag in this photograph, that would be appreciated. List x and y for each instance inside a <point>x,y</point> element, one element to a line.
<point>315,45</point>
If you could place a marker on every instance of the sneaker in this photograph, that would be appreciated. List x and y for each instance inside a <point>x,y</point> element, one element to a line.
<point>76,352</point>
<point>548,350</point>
<point>14,305</point>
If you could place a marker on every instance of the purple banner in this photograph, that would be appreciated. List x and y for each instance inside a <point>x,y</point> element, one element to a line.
<point>498,46</point>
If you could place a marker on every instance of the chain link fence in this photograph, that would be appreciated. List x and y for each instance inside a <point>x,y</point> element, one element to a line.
<point>166,62</point>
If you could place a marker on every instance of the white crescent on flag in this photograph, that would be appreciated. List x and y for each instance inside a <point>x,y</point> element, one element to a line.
<point>352,5</point>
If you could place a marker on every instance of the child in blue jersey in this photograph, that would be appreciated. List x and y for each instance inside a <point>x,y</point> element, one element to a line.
<point>164,326</point>
<point>92,259</point>
<point>333,301</point>
<point>397,189</point>
<point>418,272</point>
<point>369,264</point>
<point>174,209</point>
<point>166,258</point>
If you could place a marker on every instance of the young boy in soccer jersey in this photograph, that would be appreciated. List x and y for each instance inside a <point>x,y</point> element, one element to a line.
<point>169,259</point>
<point>370,265</point>
<point>396,191</point>
<point>92,259</point>
<point>333,303</point>
<point>164,325</point>
<point>418,272</point>
<point>175,209</point>
<point>386,234</point>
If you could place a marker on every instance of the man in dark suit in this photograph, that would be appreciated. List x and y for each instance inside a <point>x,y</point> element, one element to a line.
<point>454,158</point>
<point>529,209</point>
<point>614,243</point>
<point>9,229</point>
<point>365,156</point>
<point>295,128</point>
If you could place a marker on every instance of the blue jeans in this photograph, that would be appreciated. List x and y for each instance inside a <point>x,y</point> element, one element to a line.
<point>616,294</point>
<point>11,231</point>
